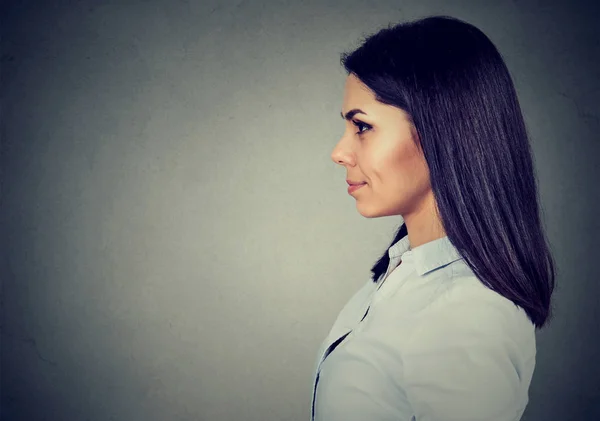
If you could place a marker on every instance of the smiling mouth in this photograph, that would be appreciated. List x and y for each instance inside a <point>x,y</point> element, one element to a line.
<point>355,183</point>
<point>353,187</point>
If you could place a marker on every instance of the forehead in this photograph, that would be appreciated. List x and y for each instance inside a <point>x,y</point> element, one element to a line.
<point>356,92</point>
<point>358,95</point>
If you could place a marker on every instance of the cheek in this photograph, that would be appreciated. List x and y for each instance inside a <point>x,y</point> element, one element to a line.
<point>396,160</point>
<point>403,169</point>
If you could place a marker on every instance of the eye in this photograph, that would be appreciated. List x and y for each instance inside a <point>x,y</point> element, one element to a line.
<point>362,127</point>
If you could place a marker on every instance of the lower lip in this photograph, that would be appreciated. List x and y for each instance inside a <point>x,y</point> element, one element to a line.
<point>352,189</point>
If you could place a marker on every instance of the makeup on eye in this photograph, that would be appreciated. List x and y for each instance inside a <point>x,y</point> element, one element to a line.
<point>361,125</point>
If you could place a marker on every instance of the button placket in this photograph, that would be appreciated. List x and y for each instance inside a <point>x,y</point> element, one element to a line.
<point>344,336</point>
<point>382,289</point>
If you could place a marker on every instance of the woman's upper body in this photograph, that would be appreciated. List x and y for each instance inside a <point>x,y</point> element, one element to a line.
<point>434,133</point>
<point>427,342</point>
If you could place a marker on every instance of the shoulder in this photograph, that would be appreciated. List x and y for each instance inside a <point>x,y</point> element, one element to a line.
<point>466,308</point>
<point>470,354</point>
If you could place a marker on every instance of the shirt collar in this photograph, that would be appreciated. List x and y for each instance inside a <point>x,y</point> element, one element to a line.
<point>426,257</point>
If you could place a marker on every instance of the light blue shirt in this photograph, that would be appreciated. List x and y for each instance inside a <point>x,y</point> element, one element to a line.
<point>435,344</point>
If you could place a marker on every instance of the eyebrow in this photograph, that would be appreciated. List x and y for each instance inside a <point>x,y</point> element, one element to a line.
<point>352,113</point>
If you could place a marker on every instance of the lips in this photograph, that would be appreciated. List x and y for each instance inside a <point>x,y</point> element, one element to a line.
<point>355,183</point>
<point>353,187</point>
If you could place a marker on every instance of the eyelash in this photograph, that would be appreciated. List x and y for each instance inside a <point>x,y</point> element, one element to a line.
<point>359,125</point>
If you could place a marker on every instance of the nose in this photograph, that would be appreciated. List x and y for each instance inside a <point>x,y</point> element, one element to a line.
<point>342,153</point>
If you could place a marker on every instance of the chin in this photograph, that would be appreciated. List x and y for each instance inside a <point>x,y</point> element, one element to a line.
<point>368,212</point>
<point>373,212</point>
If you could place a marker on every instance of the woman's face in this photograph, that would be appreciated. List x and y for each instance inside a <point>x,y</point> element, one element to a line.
<point>378,148</point>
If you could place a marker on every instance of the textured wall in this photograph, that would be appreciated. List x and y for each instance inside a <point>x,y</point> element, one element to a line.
<point>175,239</point>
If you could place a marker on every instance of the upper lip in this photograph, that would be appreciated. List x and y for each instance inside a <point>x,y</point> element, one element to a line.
<point>354,183</point>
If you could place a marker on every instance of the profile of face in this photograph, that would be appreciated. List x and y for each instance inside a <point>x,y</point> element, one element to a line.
<point>379,148</point>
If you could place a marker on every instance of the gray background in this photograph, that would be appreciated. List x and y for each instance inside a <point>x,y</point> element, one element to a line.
<point>176,241</point>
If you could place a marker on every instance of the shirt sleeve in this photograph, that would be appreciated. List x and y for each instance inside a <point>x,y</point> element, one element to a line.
<point>463,362</point>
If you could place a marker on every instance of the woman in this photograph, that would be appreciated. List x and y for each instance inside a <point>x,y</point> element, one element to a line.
<point>445,330</point>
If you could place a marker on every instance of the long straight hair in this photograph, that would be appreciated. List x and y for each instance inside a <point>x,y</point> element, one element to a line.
<point>453,83</point>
